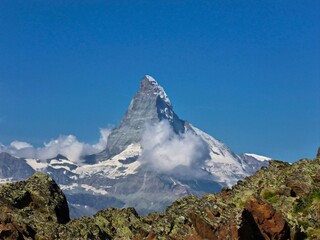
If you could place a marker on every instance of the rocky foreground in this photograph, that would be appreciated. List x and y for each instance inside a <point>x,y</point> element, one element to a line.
<point>281,201</point>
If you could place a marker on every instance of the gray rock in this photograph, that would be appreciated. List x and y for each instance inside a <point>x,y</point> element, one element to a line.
<point>14,168</point>
<point>149,105</point>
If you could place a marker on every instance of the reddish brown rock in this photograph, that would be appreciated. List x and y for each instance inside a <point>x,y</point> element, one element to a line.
<point>228,231</point>
<point>203,229</point>
<point>151,236</point>
<point>270,222</point>
<point>249,229</point>
<point>298,188</point>
<point>8,231</point>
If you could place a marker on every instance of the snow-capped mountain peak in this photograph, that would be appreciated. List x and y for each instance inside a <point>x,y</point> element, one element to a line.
<point>137,170</point>
<point>149,83</point>
<point>149,105</point>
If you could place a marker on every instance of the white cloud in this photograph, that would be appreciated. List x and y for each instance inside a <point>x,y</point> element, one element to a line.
<point>67,145</point>
<point>19,145</point>
<point>165,151</point>
<point>2,147</point>
<point>104,133</point>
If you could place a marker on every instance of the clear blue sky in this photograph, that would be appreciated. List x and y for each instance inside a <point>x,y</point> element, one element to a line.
<point>247,72</point>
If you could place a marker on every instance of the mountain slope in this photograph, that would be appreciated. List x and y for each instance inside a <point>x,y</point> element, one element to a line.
<point>13,169</point>
<point>280,202</point>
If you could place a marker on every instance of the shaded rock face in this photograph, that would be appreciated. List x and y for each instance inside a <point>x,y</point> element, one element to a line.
<point>149,105</point>
<point>249,228</point>
<point>318,153</point>
<point>14,168</point>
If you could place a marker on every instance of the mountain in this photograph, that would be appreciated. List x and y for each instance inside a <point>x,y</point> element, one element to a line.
<point>279,202</point>
<point>254,161</point>
<point>13,169</point>
<point>151,104</point>
<point>150,160</point>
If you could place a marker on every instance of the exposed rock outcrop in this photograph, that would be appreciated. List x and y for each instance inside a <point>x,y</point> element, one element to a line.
<point>270,222</point>
<point>272,204</point>
<point>33,207</point>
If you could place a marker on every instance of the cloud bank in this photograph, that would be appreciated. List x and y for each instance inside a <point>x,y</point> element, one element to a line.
<point>165,151</point>
<point>162,149</point>
<point>66,145</point>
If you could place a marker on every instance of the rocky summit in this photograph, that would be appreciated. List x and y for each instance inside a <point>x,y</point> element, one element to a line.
<point>150,105</point>
<point>281,201</point>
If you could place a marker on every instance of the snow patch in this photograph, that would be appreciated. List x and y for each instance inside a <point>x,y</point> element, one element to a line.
<point>62,163</point>
<point>93,189</point>
<point>36,164</point>
<point>113,168</point>
<point>223,164</point>
<point>158,90</point>
<point>68,187</point>
<point>258,157</point>
<point>5,180</point>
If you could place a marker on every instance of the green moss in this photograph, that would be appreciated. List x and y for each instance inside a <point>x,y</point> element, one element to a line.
<point>316,196</point>
<point>313,233</point>
<point>270,196</point>
<point>299,207</point>
<point>241,199</point>
<point>304,224</point>
<point>267,194</point>
<point>304,204</point>
<point>274,200</point>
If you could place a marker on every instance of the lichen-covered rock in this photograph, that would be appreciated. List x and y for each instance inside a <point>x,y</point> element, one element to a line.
<point>110,223</point>
<point>32,208</point>
<point>279,202</point>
